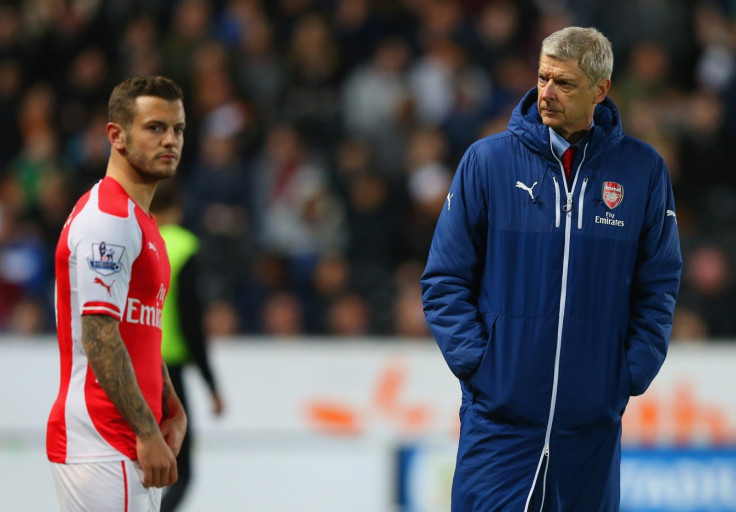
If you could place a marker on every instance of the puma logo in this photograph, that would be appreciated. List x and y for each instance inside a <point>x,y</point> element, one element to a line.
<point>104,285</point>
<point>528,189</point>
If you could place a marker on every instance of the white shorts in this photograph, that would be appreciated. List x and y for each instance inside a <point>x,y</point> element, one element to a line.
<point>104,487</point>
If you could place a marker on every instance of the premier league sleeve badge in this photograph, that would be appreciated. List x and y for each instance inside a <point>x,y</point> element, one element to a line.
<point>106,258</point>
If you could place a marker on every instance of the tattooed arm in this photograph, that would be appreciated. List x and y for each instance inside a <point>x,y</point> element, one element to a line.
<point>174,423</point>
<point>109,359</point>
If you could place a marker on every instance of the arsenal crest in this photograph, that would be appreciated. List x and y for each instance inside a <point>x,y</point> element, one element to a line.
<point>613,194</point>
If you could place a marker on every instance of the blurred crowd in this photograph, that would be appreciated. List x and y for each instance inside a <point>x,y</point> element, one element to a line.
<point>322,136</point>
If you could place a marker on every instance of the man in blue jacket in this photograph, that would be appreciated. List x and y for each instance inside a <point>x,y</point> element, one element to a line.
<point>550,288</point>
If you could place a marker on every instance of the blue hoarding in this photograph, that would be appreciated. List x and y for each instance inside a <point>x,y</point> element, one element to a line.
<point>678,480</point>
<point>652,480</point>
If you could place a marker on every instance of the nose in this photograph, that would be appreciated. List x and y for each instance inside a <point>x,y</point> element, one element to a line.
<point>548,90</point>
<point>170,137</point>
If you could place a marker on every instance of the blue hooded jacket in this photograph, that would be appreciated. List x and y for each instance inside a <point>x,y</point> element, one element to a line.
<point>551,308</point>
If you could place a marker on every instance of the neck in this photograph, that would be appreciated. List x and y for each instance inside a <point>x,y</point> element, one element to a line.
<point>140,190</point>
<point>168,216</point>
<point>573,137</point>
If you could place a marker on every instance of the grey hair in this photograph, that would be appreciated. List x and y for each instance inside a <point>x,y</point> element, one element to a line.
<point>586,46</point>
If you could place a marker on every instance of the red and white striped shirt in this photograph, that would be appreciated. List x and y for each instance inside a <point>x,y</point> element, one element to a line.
<point>110,260</point>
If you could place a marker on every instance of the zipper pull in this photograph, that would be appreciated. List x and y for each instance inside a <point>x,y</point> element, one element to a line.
<point>546,450</point>
<point>567,207</point>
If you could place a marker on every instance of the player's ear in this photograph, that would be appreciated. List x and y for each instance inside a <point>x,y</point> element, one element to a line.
<point>116,135</point>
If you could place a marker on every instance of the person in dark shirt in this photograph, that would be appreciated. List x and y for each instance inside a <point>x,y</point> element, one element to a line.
<point>183,338</point>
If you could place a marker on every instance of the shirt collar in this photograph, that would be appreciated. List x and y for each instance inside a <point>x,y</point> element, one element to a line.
<point>560,145</point>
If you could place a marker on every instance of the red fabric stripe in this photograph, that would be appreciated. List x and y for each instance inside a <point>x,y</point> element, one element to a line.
<point>102,312</point>
<point>125,485</point>
<point>116,198</point>
<point>101,305</point>
<point>56,438</point>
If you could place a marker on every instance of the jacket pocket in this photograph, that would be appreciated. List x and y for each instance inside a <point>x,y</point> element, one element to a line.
<point>487,353</point>
<point>594,378</point>
<point>514,380</point>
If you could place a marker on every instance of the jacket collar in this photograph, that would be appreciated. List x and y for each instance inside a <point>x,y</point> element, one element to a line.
<point>526,124</point>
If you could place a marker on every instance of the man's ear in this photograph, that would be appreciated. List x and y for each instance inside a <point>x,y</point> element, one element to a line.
<point>602,87</point>
<point>116,135</point>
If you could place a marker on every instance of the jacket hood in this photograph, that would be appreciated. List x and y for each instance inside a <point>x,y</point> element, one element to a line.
<point>526,124</point>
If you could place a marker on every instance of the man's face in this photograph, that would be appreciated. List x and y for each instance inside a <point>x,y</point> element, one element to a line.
<point>565,98</point>
<point>155,138</point>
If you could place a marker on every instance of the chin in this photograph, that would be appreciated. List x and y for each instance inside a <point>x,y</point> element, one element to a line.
<point>155,175</point>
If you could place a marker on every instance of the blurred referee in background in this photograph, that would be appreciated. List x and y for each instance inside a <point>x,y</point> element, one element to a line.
<point>183,338</point>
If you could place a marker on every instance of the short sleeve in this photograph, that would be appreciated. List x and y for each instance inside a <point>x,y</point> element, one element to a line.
<point>104,248</point>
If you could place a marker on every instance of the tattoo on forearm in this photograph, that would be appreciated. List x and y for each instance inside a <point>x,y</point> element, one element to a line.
<point>113,368</point>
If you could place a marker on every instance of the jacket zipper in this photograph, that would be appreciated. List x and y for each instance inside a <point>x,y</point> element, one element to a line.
<point>567,208</point>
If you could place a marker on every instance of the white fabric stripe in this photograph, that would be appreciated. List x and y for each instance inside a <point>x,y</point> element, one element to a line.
<point>580,203</point>
<point>557,202</point>
<point>84,442</point>
<point>582,191</point>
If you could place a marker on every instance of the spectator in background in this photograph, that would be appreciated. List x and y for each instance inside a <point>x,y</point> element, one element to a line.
<point>23,271</point>
<point>260,71</point>
<point>330,281</point>
<point>341,68</point>
<point>183,340</point>
<point>11,78</point>
<point>688,326</point>
<point>348,316</point>
<point>358,27</point>
<point>377,105</point>
<point>499,32</point>
<point>373,205</point>
<point>218,186</point>
<point>221,320</point>
<point>408,314</point>
<point>312,99</point>
<point>428,178</point>
<point>190,29</point>
<point>87,150</point>
<point>296,212</point>
<point>709,289</point>
<point>28,318</point>
<point>283,315</point>
<point>39,151</point>
<point>85,87</point>
<point>139,47</point>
